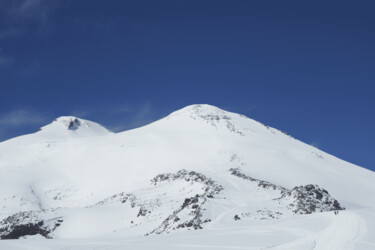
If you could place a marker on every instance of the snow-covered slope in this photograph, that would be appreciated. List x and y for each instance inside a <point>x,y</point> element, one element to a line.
<point>198,168</point>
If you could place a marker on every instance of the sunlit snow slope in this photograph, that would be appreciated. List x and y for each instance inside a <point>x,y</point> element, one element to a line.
<point>199,168</point>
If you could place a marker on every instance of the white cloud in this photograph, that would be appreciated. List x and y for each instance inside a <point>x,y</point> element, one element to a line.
<point>22,117</point>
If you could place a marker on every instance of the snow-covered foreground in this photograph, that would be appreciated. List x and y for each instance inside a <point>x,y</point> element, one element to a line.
<point>347,230</point>
<point>199,178</point>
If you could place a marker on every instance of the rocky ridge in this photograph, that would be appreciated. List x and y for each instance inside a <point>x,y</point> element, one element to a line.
<point>158,203</point>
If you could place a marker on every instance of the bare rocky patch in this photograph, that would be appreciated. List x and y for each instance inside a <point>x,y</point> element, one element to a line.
<point>300,200</point>
<point>28,223</point>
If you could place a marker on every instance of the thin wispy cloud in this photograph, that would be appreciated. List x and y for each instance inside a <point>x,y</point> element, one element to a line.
<point>21,17</point>
<point>119,117</point>
<point>2,134</point>
<point>81,113</point>
<point>105,110</point>
<point>143,115</point>
<point>5,60</point>
<point>22,117</point>
<point>18,17</point>
<point>38,10</point>
<point>9,32</point>
<point>140,116</point>
<point>103,26</point>
<point>31,69</point>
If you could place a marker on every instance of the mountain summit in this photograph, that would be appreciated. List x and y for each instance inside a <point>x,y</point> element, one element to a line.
<point>73,126</point>
<point>199,168</point>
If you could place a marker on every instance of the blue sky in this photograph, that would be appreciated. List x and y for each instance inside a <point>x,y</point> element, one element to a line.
<point>305,67</point>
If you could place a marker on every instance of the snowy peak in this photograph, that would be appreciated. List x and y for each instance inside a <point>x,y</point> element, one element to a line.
<point>207,114</point>
<point>69,122</point>
<point>72,126</point>
<point>221,120</point>
<point>199,110</point>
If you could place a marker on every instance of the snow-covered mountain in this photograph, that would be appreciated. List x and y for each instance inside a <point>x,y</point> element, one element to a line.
<point>197,173</point>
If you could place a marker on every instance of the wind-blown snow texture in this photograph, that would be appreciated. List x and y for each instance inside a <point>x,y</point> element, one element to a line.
<point>208,177</point>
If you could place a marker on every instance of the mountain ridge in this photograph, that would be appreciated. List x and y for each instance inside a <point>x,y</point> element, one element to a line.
<point>189,170</point>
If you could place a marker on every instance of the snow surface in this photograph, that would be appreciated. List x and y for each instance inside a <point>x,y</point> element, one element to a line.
<point>100,182</point>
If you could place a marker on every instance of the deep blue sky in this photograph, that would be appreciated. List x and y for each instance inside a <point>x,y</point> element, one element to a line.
<point>305,67</point>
